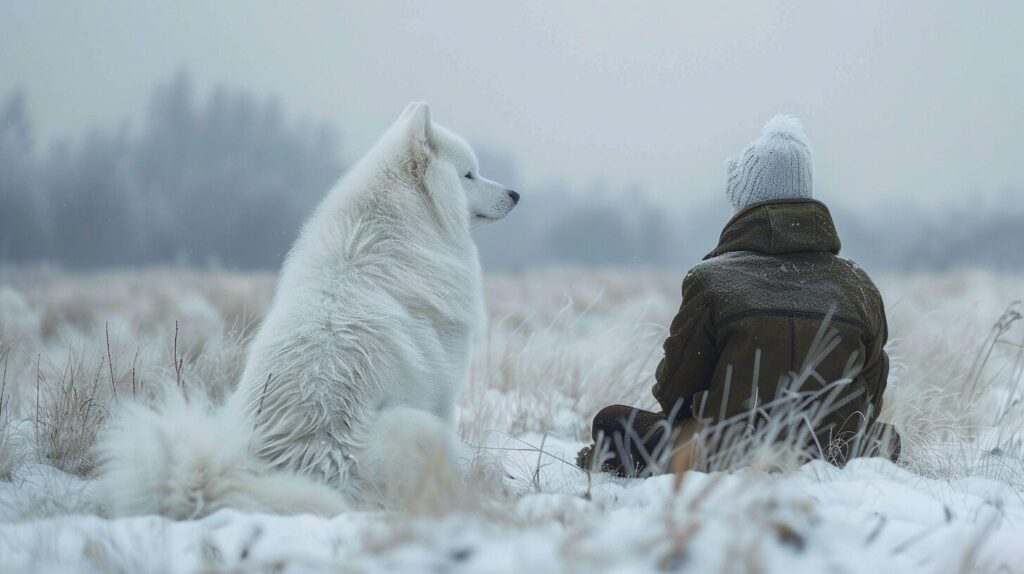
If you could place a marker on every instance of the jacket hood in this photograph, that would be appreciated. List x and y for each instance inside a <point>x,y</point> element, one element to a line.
<point>780,227</point>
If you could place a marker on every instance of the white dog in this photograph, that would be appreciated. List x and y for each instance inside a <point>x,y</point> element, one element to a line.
<point>359,359</point>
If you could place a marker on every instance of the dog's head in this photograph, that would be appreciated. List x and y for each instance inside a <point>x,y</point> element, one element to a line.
<point>443,160</point>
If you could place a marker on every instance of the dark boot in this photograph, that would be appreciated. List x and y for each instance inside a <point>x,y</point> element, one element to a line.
<point>630,436</point>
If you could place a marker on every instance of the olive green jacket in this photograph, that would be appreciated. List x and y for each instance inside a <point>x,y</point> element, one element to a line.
<point>772,308</point>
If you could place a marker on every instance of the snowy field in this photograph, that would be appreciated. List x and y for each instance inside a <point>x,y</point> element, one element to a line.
<point>561,344</point>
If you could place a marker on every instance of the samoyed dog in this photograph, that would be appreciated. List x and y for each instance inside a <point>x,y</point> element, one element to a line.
<point>351,380</point>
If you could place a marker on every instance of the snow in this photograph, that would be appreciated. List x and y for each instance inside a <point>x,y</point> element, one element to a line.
<point>953,505</point>
<point>871,516</point>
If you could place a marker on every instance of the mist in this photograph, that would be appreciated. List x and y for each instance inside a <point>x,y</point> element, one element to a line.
<point>202,135</point>
<point>225,180</point>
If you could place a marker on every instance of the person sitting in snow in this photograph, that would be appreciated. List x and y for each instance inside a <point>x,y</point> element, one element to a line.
<point>771,314</point>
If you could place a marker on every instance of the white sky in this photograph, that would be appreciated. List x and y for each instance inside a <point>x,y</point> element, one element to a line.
<point>907,99</point>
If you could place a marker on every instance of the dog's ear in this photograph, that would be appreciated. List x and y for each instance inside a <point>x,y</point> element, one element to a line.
<point>409,108</point>
<point>417,125</point>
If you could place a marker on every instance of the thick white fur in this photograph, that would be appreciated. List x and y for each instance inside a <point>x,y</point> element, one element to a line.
<point>184,460</point>
<point>374,311</point>
<point>416,467</point>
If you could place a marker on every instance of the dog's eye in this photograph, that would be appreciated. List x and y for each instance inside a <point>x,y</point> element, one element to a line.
<point>469,175</point>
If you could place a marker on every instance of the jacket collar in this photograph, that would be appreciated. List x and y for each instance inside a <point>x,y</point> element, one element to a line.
<point>780,227</point>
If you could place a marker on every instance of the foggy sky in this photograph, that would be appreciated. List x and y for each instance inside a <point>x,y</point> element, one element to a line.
<point>913,99</point>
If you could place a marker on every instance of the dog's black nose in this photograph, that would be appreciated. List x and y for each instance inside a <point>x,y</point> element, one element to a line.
<point>514,195</point>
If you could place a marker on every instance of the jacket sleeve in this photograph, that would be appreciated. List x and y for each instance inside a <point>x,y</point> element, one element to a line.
<point>690,355</point>
<point>876,371</point>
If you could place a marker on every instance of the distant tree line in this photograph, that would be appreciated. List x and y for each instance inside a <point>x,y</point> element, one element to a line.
<point>227,179</point>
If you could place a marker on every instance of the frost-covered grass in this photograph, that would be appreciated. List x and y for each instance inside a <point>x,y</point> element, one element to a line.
<point>562,344</point>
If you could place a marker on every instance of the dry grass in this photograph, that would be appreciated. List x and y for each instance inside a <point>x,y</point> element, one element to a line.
<point>959,404</point>
<point>561,345</point>
<point>76,347</point>
<point>9,452</point>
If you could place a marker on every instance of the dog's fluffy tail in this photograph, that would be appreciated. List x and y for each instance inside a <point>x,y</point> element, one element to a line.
<point>185,460</point>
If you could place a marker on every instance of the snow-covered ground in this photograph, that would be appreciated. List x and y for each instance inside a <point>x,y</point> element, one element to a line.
<point>562,344</point>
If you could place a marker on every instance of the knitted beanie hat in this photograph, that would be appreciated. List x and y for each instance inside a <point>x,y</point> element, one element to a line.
<point>777,165</point>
